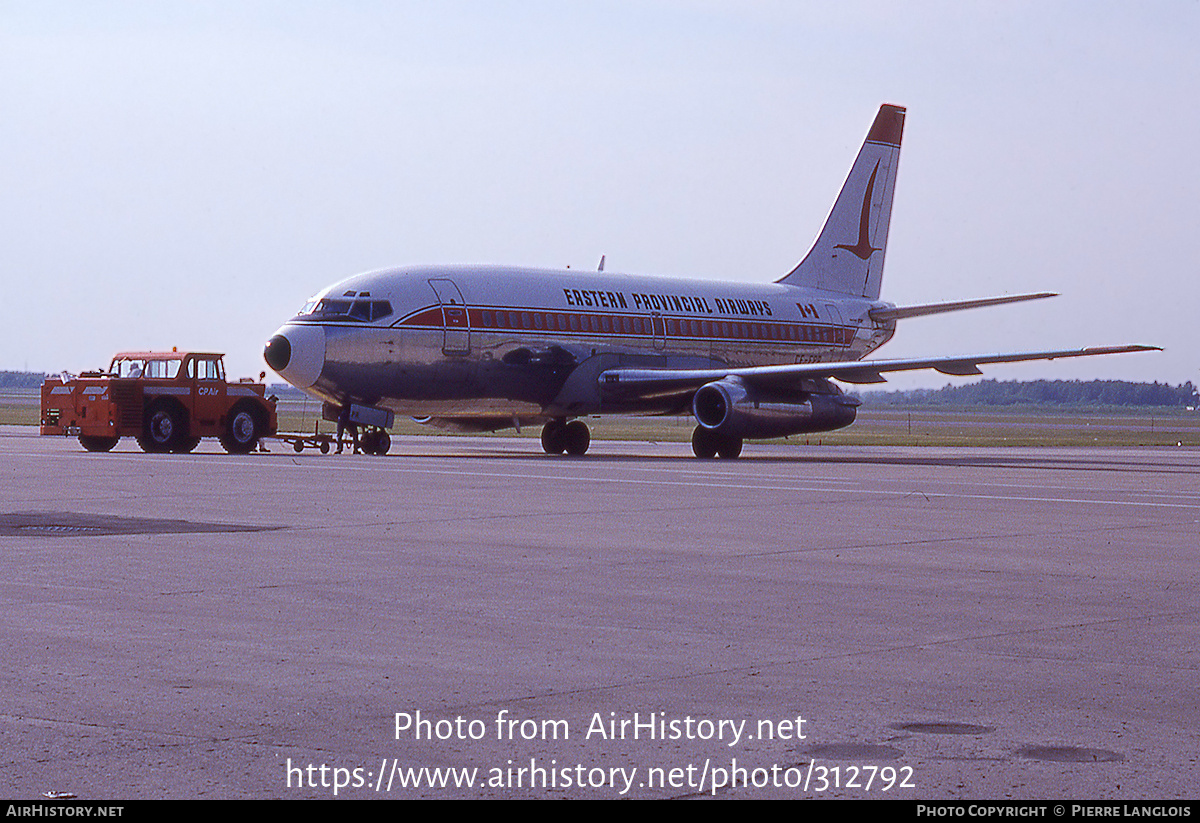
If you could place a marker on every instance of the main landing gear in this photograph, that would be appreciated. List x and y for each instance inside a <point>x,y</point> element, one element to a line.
<point>707,444</point>
<point>559,436</point>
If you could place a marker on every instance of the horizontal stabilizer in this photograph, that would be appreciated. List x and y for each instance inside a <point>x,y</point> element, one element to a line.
<point>882,315</point>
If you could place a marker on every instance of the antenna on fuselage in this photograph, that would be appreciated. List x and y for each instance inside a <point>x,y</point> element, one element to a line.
<point>601,266</point>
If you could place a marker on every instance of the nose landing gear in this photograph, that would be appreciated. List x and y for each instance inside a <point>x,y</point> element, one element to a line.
<point>375,441</point>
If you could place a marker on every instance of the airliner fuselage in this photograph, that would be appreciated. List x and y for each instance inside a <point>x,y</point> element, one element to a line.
<point>485,344</point>
<point>487,347</point>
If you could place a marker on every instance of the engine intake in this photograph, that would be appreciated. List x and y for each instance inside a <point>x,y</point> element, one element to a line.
<point>733,408</point>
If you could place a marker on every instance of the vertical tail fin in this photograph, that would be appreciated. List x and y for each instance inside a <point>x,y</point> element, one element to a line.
<point>848,255</point>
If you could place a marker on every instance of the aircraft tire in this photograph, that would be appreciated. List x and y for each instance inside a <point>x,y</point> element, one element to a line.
<point>375,442</point>
<point>554,439</point>
<point>163,429</point>
<point>383,442</point>
<point>576,438</point>
<point>705,443</point>
<point>729,448</point>
<point>97,443</point>
<point>242,432</point>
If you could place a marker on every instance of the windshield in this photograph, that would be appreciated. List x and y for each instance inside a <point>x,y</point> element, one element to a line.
<point>138,367</point>
<point>346,308</point>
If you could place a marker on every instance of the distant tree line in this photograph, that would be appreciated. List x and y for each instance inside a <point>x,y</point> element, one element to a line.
<point>1060,392</point>
<point>21,379</point>
<point>983,393</point>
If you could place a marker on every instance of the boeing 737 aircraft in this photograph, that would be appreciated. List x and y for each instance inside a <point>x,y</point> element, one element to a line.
<point>481,348</point>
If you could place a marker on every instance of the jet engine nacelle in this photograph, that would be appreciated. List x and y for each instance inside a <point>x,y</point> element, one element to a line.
<point>732,408</point>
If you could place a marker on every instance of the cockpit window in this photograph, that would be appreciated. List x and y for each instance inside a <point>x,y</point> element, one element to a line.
<point>330,308</point>
<point>333,308</point>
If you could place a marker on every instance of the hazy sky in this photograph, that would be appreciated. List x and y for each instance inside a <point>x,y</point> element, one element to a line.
<point>187,174</point>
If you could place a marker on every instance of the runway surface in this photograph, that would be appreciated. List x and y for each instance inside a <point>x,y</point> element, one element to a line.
<point>957,623</point>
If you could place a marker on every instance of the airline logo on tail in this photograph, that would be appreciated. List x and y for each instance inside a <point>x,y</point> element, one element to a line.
<point>863,248</point>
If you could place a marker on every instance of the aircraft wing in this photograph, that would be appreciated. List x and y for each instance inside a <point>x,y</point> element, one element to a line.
<point>643,382</point>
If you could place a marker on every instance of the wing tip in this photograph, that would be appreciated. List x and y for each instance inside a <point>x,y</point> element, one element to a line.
<point>1135,347</point>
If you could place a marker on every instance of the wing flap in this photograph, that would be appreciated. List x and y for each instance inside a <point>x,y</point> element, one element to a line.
<point>959,369</point>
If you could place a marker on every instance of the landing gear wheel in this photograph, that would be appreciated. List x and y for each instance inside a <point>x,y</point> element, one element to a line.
<point>705,443</point>
<point>97,443</point>
<point>376,442</point>
<point>554,439</point>
<point>163,429</point>
<point>241,434</point>
<point>576,438</point>
<point>729,448</point>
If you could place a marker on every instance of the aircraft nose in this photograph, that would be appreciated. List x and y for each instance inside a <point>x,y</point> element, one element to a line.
<point>297,353</point>
<point>278,352</point>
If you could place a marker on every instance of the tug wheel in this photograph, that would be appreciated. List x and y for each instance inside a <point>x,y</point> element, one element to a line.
<point>242,432</point>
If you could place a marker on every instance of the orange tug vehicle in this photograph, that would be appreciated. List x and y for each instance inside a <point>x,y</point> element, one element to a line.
<point>167,400</point>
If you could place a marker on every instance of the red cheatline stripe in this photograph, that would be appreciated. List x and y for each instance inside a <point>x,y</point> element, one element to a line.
<point>637,325</point>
